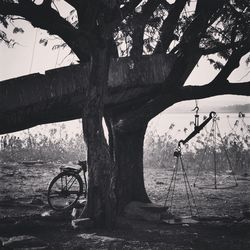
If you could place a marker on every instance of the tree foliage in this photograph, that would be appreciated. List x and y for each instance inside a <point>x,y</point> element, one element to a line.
<point>226,28</point>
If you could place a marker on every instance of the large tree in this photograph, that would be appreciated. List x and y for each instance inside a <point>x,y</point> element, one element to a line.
<point>185,31</point>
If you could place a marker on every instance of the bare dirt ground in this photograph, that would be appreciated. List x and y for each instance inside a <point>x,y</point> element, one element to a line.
<point>224,214</point>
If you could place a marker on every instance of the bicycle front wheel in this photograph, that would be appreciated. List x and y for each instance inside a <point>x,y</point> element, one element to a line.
<point>64,191</point>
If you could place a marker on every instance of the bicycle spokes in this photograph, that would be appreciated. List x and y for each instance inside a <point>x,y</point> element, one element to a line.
<point>64,191</point>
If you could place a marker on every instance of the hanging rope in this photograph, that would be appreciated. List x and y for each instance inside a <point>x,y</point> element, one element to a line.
<point>202,160</point>
<point>172,183</point>
<point>239,135</point>
<point>171,189</point>
<point>227,156</point>
<point>239,123</point>
<point>33,51</point>
<point>188,189</point>
<point>215,131</point>
<point>57,57</point>
<point>196,117</point>
<point>242,119</point>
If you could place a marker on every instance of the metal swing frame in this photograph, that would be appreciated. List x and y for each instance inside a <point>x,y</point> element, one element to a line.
<point>244,136</point>
<point>178,155</point>
<point>216,131</point>
<point>171,189</point>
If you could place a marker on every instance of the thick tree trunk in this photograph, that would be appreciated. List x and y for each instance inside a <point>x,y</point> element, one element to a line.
<point>128,157</point>
<point>101,202</point>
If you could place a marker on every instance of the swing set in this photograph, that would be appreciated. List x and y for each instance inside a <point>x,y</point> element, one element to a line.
<point>239,139</point>
<point>214,135</point>
<point>240,131</point>
<point>179,161</point>
<point>179,164</point>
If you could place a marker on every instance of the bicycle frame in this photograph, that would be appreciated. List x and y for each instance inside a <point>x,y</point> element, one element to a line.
<point>83,165</point>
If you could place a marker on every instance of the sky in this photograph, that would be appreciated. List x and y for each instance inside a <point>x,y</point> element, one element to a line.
<point>29,56</point>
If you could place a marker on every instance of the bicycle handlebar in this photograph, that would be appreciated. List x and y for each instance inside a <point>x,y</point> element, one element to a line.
<point>83,164</point>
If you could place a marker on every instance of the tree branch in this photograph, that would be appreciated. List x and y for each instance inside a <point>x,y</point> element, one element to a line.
<point>139,22</point>
<point>188,48</point>
<point>129,8</point>
<point>169,25</point>
<point>209,90</point>
<point>166,4</point>
<point>46,18</point>
<point>47,3</point>
<point>164,99</point>
<point>73,3</point>
<point>233,62</point>
<point>219,48</point>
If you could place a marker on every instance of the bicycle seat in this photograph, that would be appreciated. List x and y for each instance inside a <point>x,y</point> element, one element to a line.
<point>70,169</point>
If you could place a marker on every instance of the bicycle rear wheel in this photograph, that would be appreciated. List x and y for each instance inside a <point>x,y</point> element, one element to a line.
<point>64,191</point>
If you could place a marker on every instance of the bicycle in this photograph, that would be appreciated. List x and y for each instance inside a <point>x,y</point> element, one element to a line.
<point>66,188</point>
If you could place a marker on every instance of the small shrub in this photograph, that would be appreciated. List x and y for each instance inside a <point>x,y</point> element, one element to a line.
<point>50,147</point>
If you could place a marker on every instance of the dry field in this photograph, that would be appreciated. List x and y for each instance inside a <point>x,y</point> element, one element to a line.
<point>23,195</point>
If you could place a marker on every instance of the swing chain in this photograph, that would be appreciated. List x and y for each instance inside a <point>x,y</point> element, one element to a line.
<point>214,132</point>
<point>171,189</point>
<point>197,129</point>
<point>196,117</point>
<point>177,152</point>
